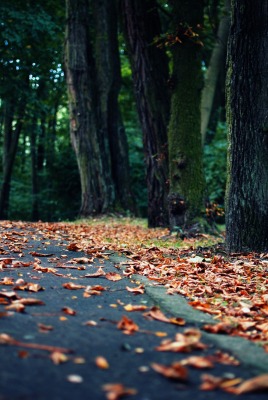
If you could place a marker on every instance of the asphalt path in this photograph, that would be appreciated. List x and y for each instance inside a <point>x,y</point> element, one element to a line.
<point>28,370</point>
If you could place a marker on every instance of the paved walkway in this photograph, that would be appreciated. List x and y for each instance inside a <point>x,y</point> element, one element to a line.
<point>69,341</point>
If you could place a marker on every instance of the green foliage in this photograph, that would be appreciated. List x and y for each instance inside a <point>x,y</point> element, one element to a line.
<point>215,165</point>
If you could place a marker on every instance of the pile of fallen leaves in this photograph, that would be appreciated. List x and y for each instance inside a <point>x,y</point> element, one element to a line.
<point>231,287</point>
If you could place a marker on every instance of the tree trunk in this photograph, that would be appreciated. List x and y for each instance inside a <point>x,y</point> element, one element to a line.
<point>186,198</point>
<point>216,64</point>
<point>88,135</point>
<point>11,139</point>
<point>109,83</point>
<point>150,75</point>
<point>34,165</point>
<point>247,99</point>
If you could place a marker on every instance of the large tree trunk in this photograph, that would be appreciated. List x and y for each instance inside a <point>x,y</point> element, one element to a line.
<point>247,99</point>
<point>11,139</point>
<point>89,136</point>
<point>109,83</point>
<point>150,76</point>
<point>216,65</point>
<point>186,198</point>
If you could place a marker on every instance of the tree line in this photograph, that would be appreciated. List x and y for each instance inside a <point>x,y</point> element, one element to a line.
<point>174,53</point>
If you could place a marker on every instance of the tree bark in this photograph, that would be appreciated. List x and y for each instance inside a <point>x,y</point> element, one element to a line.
<point>11,139</point>
<point>109,83</point>
<point>187,183</point>
<point>88,135</point>
<point>247,99</point>
<point>150,75</point>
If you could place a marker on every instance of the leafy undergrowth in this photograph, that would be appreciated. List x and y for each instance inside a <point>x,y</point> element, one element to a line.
<point>231,287</point>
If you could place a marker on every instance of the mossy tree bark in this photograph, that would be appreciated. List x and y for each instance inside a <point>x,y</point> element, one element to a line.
<point>96,185</point>
<point>187,183</point>
<point>247,99</point>
<point>150,75</point>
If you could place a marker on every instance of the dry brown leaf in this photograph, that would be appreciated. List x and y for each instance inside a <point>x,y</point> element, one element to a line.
<point>44,328</point>
<point>254,384</point>
<point>58,358</point>
<point>72,286</point>
<point>198,362</point>
<point>113,276</point>
<point>96,274</point>
<point>29,301</point>
<point>116,390</point>
<point>18,307</point>
<point>211,382</point>
<point>174,371</point>
<point>127,325</point>
<point>136,290</point>
<point>130,307</point>
<point>68,311</point>
<point>101,362</point>
<point>157,314</point>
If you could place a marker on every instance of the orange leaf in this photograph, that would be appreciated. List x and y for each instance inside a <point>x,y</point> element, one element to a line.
<point>116,390</point>
<point>45,328</point>
<point>68,311</point>
<point>58,358</point>
<point>127,325</point>
<point>113,276</point>
<point>254,384</point>
<point>72,286</point>
<point>130,307</point>
<point>173,371</point>
<point>136,290</point>
<point>158,315</point>
<point>96,274</point>
<point>198,362</point>
<point>101,362</point>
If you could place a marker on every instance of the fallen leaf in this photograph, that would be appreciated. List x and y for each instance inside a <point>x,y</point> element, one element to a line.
<point>116,390</point>
<point>96,274</point>
<point>254,384</point>
<point>101,362</point>
<point>136,290</point>
<point>90,323</point>
<point>73,247</point>
<point>157,314</point>
<point>29,301</point>
<point>58,358</point>
<point>45,328</point>
<point>198,362</point>
<point>174,371</point>
<point>127,325</point>
<point>72,286</point>
<point>113,276</point>
<point>68,311</point>
<point>211,382</point>
<point>130,307</point>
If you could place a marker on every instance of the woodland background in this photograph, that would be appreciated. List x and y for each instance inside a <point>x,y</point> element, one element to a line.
<point>44,180</point>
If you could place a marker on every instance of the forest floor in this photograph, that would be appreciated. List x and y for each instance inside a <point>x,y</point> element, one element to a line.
<point>106,308</point>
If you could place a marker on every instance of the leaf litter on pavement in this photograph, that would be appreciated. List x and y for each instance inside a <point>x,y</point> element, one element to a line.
<point>230,287</point>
